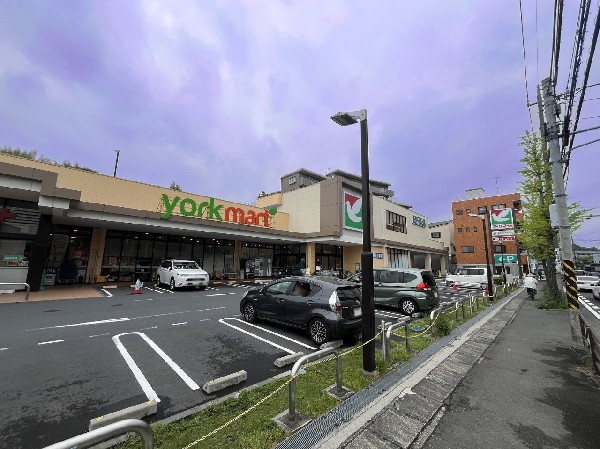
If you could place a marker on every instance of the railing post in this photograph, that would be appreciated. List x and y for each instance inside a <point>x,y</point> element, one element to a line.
<point>292,400</point>
<point>384,345</point>
<point>338,372</point>
<point>470,303</point>
<point>407,337</point>
<point>462,306</point>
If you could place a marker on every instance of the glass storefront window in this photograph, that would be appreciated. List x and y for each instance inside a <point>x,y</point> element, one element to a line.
<point>14,253</point>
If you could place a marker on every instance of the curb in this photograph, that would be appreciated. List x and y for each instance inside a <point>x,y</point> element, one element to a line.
<point>134,412</point>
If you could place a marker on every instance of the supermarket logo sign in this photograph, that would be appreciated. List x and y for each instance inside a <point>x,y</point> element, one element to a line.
<point>501,219</point>
<point>213,211</point>
<point>353,211</point>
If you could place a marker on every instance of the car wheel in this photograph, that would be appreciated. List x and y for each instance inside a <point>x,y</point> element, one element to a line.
<point>249,312</point>
<point>319,331</point>
<point>172,284</point>
<point>407,306</point>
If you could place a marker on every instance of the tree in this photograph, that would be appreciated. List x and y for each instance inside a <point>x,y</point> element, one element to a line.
<point>32,156</point>
<point>536,233</point>
<point>175,186</point>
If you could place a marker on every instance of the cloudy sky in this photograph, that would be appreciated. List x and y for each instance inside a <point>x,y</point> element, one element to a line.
<point>225,96</point>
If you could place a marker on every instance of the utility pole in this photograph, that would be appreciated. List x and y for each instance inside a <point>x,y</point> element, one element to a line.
<point>116,163</point>
<point>560,199</point>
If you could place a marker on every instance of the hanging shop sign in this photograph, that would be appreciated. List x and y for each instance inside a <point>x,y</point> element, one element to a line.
<point>501,219</point>
<point>353,211</point>
<point>502,233</point>
<point>503,238</point>
<point>211,210</point>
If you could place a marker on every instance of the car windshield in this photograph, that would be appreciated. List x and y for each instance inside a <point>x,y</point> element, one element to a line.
<point>186,266</point>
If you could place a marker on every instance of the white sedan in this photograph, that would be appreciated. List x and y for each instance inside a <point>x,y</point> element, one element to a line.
<point>587,282</point>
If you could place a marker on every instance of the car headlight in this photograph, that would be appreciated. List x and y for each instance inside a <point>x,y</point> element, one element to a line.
<point>245,294</point>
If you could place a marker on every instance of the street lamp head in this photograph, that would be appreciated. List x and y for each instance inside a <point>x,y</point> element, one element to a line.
<point>343,119</point>
<point>349,118</point>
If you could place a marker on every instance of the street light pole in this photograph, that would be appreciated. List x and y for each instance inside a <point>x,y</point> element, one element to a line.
<point>368,303</point>
<point>487,256</point>
<point>116,163</point>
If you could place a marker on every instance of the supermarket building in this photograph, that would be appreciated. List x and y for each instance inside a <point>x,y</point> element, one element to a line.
<point>65,225</point>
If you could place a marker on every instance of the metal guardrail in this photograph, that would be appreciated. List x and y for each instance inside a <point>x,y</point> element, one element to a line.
<point>310,358</point>
<point>592,341</point>
<point>103,434</point>
<point>386,335</point>
<point>19,283</point>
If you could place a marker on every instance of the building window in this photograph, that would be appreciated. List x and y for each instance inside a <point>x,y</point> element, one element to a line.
<point>482,209</point>
<point>499,206</point>
<point>459,230</point>
<point>292,179</point>
<point>396,222</point>
<point>468,229</point>
<point>436,235</point>
<point>468,211</point>
<point>468,249</point>
<point>459,212</point>
<point>500,249</point>
<point>474,228</point>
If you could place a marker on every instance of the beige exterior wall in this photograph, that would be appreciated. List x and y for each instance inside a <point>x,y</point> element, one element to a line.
<point>269,200</point>
<point>352,257</point>
<point>379,263</point>
<point>302,209</point>
<point>415,235</point>
<point>109,191</point>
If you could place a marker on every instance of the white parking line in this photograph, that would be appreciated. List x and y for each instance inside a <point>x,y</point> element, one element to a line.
<point>150,393</point>
<point>178,313</point>
<point>99,335</point>
<point>50,342</point>
<point>388,314</point>
<point>106,292</point>
<point>271,332</point>
<point>3,349</point>
<point>289,351</point>
<point>87,323</point>
<point>178,324</point>
<point>217,294</point>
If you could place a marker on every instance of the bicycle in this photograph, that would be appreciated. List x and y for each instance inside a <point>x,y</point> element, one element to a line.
<point>531,292</point>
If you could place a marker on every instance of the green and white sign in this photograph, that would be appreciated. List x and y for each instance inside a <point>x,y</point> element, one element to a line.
<point>353,211</point>
<point>13,258</point>
<point>501,219</point>
<point>499,259</point>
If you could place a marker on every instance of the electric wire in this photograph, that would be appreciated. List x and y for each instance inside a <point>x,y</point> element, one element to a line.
<point>586,75</point>
<point>525,65</point>
<point>556,38</point>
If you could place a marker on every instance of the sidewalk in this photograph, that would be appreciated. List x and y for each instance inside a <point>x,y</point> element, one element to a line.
<point>486,386</point>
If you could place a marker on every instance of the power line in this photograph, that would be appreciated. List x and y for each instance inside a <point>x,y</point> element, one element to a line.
<point>556,34</point>
<point>585,78</point>
<point>525,64</point>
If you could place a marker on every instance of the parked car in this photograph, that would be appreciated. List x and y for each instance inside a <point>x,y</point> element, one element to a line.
<point>471,277</point>
<point>408,289</point>
<point>587,282</point>
<point>181,273</point>
<point>325,307</point>
<point>580,273</point>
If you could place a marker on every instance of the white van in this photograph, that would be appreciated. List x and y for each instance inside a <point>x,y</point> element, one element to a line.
<point>472,277</point>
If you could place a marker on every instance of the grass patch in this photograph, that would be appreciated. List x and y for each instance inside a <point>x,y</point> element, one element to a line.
<point>551,302</point>
<point>256,430</point>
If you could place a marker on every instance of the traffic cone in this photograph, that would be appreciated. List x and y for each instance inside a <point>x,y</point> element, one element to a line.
<point>137,288</point>
<point>454,286</point>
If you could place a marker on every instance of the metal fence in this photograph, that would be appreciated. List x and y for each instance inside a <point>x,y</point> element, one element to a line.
<point>27,288</point>
<point>592,341</point>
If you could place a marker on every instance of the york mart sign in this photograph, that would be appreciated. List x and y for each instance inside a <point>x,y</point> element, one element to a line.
<point>212,210</point>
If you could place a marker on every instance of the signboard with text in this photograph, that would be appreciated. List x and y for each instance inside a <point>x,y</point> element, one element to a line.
<point>505,258</point>
<point>501,219</point>
<point>503,238</point>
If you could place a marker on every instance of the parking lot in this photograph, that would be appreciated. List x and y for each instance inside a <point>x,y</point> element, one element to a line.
<point>66,362</point>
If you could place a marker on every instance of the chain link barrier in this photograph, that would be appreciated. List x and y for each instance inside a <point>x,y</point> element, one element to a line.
<point>273,393</point>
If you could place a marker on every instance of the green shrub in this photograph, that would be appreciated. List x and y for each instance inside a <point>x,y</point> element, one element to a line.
<point>442,325</point>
